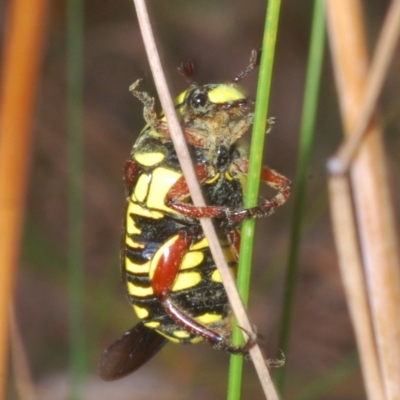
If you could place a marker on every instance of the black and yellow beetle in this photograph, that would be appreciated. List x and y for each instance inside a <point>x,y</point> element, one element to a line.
<point>169,273</point>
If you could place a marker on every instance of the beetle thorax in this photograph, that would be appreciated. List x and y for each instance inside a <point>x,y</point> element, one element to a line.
<point>215,115</point>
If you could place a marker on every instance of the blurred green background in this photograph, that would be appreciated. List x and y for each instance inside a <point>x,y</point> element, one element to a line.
<point>218,35</point>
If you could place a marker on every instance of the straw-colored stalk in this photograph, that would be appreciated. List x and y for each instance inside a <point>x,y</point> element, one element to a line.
<point>354,283</point>
<point>374,214</point>
<point>21,60</point>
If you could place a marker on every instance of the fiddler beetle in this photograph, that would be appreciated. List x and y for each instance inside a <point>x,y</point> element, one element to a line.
<point>170,276</point>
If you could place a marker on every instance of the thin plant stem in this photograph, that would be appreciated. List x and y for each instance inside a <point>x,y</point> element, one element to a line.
<point>385,49</point>
<point>253,181</point>
<point>369,181</point>
<point>22,54</point>
<point>307,131</point>
<point>351,269</point>
<point>75,38</point>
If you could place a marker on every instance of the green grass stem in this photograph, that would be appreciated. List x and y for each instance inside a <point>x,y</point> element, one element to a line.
<point>299,193</point>
<point>253,182</point>
<point>75,29</point>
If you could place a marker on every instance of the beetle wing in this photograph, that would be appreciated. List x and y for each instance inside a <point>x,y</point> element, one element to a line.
<point>129,352</point>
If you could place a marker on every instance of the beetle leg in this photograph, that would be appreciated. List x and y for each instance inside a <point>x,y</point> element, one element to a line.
<point>169,263</point>
<point>277,182</point>
<point>234,239</point>
<point>179,191</point>
<point>211,336</point>
<point>149,113</point>
<point>162,281</point>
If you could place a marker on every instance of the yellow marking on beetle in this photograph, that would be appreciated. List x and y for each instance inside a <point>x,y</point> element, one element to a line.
<point>181,334</point>
<point>225,94</point>
<point>133,198</point>
<point>149,159</point>
<point>172,339</point>
<point>196,339</point>
<point>143,212</point>
<point>208,318</point>
<point>136,268</point>
<point>216,276</point>
<point>186,281</point>
<point>156,215</point>
<point>213,178</point>
<point>139,291</point>
<point>161,183</point>
<point>153,133</point>
<point>152,324</point>
<point>178,103</point>
<point>131,227</point>
<point>141,312</point>
<point>228,250</point>
<point>156,258</point>
<point>129,242</point>
<point>243,180</point>
<point>142,187</point>
<point>228,176</point>
<point>180,99</point>
<point>192,259</point>
<point>229,254</point>
<point>200,245</point>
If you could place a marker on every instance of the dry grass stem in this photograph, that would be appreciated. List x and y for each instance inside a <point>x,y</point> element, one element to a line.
<point>21,59</point>
<point>339,163</point>
<point>375,219</point>
<point>197,197</point>
<point>352,274</point>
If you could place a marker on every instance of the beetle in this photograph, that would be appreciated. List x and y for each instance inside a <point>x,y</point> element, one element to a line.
<point>170,276</point>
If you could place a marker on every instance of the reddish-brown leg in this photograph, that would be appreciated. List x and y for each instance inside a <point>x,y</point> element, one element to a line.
<point>212,337</point>
<point>162,281</point>
<point>169,263</point>
<point>179,191</point>
<point>278,182</point>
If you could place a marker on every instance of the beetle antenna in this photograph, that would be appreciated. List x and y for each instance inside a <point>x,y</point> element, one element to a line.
<point>255,58</point>
<point>186,69</point>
